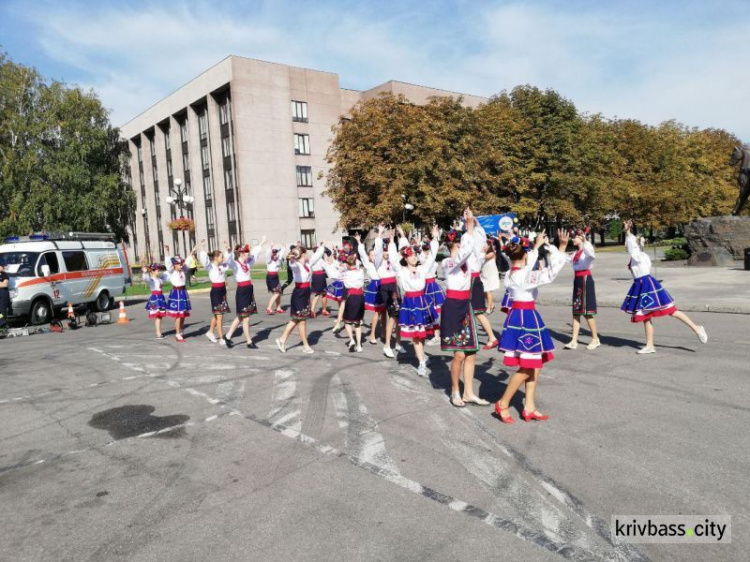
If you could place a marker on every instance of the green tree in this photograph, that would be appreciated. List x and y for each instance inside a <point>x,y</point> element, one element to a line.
<point>61,161</point>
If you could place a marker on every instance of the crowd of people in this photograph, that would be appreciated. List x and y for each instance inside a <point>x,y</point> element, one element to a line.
<point>396,281</point>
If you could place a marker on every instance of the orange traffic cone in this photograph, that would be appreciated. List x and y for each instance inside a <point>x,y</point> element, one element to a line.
<point>71,314</point>
<point>123,319</point>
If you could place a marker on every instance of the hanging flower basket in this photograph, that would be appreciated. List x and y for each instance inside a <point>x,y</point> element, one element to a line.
<point>182,224</point>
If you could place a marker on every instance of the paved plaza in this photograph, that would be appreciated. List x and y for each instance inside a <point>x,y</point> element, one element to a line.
<point>116,446</point>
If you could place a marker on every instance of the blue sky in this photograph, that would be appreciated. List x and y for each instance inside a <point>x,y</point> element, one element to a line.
<point>647,60</point>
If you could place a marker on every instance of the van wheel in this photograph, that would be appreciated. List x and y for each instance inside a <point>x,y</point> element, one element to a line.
<point>102,302</point>
<point>41,312</point>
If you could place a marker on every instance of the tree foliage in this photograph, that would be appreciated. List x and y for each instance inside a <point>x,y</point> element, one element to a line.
<point>529,151</point>
<point>60,158</point>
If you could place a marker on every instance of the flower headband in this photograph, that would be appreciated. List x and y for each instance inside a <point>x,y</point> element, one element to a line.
<point>524,242</point>
<point>177,260</point>
<point>407,252</point>
<point>451,236</point>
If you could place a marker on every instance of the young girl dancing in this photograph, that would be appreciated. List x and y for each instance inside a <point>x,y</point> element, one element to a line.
<point>584,290</point>
<point>457,328</point>
<point>647,299</point>
<point>478,302</point>
<point>241,262</point>
<point>389,294</point>
<point>526,342</point>
<point>274,264</point>
<point>318,285</point>
<point>216,263</point>
<point>415,318</point>
<point>373,301</point>
<point>299,306</point>
<point>433,293</point>
<point>178,303</point>
<point>157,304</point>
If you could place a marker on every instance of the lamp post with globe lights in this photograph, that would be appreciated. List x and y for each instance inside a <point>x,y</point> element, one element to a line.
<point>179,197</point>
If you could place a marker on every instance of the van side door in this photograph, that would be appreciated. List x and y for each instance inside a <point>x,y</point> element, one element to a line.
<point>77,277</point>
<point>59,292</point>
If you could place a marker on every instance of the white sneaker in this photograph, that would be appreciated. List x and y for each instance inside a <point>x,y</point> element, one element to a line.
<point>337,328</point>
<point>399,348</point>
<point>426,359</point>
<point>223,342</point>
<point>351,345</point>
<point>646,350</point>
<point>594,344</point>
<point>422,369</point>
<point>702,335</point>
<point>433,341</point>
<point>280,344</point>
<point>571,345</point>
<point>388,352</point>
<point>308,350</point>
<point>359,349</point>
<point>211,336</point>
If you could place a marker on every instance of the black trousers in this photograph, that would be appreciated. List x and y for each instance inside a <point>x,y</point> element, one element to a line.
<point>4,307</point>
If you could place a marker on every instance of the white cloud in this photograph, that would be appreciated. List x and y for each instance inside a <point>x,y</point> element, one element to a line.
<point>615,62</point>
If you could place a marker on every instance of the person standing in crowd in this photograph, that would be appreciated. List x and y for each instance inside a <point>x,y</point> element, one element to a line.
<point>584,289</point>
<point>155,277</point>
<point>192,267</point>
<point>373,300</point>
<point>319,284</point>
<point>241,262</point>
<point>433,293</point>
<point>178,302</point>
<point>4,297</point>
<point>389,294</point>
<point>216,264</point>
<point>274,263</point>
<point>299,306</point>
<point>525,341</point>
<point>647,299</point>
<point>478,299</point>
<point>490,275</point>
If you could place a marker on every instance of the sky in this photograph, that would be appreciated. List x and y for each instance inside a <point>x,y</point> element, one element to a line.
<point>642,59</point>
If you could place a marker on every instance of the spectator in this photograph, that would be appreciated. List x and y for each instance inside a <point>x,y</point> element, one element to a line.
<point>4,297</point>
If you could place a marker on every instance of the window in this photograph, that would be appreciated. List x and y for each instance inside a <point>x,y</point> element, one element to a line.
<point>184,130</point>
<point>210,218</point>
<point>167,143</point>
<point>233,240</point>
<point>228,180</point>
<point>185,162</point>
<point>50,259</point>
<point>226,147</point>
<point>308,238</point>
<point>140,153</point>
<point>203,124</point>
<point>304,176</point>
<point>211,242</point>
<point>207,193</point>
<point>75,261</point>
<point>204,157</point>
<point>306,208</point>
<point>224,113</point>
<point>301,144</point>
<point>299,111</point>
<point>140,176</point>
<point>169,167</point>
<point>231,213</point>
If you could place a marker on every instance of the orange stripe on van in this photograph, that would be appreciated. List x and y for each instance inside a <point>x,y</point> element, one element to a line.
<point>72,275</point>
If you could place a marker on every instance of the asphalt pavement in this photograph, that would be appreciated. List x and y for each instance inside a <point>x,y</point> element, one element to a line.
<point>116,446</point>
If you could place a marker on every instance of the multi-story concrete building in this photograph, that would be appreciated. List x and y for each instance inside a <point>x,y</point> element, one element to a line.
<point>248,140</point>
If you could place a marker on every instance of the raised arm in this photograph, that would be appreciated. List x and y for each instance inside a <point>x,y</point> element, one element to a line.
<point>318,253</point>
<point>394,256</point>
<point>205,262</point>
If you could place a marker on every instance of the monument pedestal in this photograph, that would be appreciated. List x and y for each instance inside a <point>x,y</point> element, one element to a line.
<point>718,240</point>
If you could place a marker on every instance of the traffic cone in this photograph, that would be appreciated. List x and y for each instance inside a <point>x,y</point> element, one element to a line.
<point>123,319</point>
<point>71,314</point>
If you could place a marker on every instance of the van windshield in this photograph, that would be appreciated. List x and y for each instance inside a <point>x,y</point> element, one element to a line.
<point>19,264</point>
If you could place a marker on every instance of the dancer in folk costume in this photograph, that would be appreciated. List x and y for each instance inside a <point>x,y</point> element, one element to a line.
<point>216,264</point>
<point>274,264</point>
<point>354,300</point>
<point>299,306</point>
<point>389,294</point>
<point>335,266</point>
<point>458,331</point>
<point>647,299</point>
<point>526,342</point>
<point>155,277</point>
<point>319,284</point>
<point>433,292</point>
<point>178,302</point>
<point>373,299</point>
<point>478,302</point>
<point>584,289</point>
<point>415,317</point>
<point>241,261</point>
<point>490,275</point>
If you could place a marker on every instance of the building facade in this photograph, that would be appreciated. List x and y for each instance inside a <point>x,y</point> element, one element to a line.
<point>247,139</point>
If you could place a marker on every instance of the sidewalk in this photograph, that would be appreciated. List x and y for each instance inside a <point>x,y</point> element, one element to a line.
<point>712,289</point>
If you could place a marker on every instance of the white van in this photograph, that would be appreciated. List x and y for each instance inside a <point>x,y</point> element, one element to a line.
<point>48,271</point>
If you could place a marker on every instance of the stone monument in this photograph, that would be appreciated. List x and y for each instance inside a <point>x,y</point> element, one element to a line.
<point>722,240</point>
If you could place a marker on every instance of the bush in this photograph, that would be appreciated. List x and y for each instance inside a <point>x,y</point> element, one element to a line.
<point>677,242</point>
<point>676,253</point>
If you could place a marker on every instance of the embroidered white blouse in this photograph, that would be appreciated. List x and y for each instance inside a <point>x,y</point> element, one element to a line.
<point>412,280</point>
<point>523,284</point>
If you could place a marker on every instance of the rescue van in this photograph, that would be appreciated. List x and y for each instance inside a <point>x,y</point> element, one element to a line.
<point>47,271</point>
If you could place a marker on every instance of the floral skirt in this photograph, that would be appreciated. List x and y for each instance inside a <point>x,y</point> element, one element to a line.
<point>647,299</point>
<point>525,342</point>
<point>458,331</point>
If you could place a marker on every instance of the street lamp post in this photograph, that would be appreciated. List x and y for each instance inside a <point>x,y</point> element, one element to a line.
<point>180,198</point>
